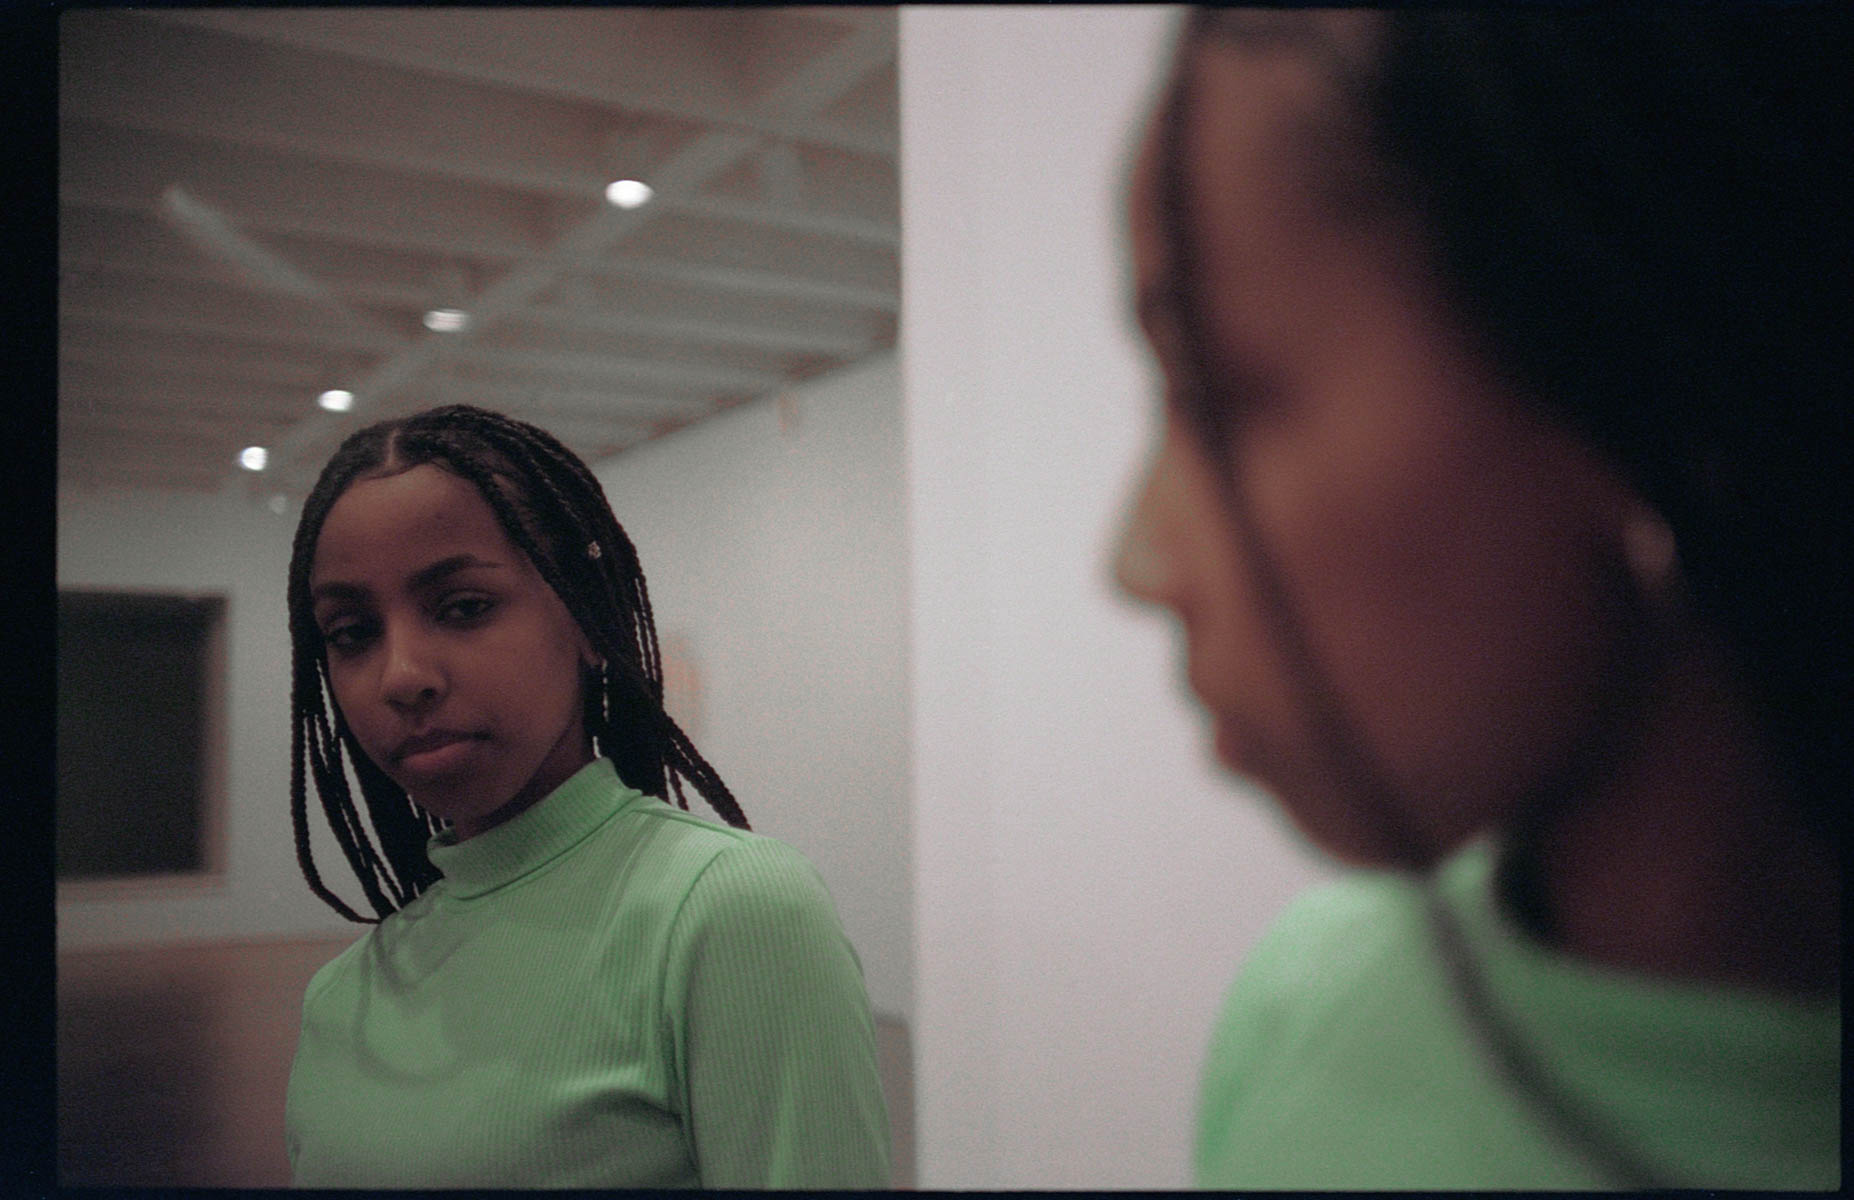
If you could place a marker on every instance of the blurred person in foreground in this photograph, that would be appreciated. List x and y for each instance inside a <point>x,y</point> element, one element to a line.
<point>1501,495</point>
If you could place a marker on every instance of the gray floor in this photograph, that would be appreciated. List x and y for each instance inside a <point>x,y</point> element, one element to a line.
<point>172,1063</point>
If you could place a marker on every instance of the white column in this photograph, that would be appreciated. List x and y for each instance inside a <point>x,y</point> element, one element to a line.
<point>1084,881</point>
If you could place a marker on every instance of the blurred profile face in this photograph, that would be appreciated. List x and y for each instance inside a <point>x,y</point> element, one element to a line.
<point>1446,556</point>
<point>454,664</point>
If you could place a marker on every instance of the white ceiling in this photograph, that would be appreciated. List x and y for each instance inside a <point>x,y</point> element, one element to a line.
<point>256,205</point>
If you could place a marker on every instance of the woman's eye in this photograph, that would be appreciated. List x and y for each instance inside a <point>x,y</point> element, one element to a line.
<point>346,636</point>
<point>464,609</point>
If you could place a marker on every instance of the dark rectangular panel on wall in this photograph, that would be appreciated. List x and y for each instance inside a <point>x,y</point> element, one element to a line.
<point>136,679</point>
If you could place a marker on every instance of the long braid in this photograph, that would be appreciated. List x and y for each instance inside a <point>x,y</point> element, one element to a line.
<point>338,801</point>
<point>299,815</point>
<point>681,759</point>
<point>314,741</point>
<point>553,509</point>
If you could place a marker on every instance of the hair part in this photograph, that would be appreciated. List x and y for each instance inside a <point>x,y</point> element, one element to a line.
<point>553,509</point>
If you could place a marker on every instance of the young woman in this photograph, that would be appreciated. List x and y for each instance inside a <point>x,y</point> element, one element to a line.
<point>1500,495</point>
<point>572,983</point>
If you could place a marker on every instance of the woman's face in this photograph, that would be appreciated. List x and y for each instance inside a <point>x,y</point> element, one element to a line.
<point>1446,555</point>
<point>454,664</point>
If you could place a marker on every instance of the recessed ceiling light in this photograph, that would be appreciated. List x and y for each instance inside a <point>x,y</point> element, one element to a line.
<point>629,193</point>
<point>336,400</point>
<point>253,458</point>
<point>446,320</point>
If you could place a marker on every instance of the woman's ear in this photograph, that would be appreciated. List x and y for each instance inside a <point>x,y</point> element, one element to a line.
<point>592,669</point>
<point>1648,548</point>
<point>1633,530</point>
<point>589,658</point>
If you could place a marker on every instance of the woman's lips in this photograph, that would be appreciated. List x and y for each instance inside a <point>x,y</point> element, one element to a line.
<point>435,752</point>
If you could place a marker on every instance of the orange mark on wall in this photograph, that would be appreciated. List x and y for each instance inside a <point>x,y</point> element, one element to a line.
<point>682,683</point>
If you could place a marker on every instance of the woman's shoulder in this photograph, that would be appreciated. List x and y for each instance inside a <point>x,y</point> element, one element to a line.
<point>713,864</point>
<point>349,954</point>
<point>1338,927</point>
<point>1344,960</point>
<point>1369,909</point>
<point>675,830</point>
<point>764,872</point>
<point>666,822</point>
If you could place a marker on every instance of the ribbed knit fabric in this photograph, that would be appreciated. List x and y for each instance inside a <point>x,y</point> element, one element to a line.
<point>1341,1060</point>
<point>603,992</point>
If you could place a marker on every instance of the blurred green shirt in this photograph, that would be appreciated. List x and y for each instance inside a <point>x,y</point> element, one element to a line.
<point>1341,1059</point>
<point>603,992</point>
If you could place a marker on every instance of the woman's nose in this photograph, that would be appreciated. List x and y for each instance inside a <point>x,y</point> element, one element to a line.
<point>411,673</point>
<point>1138,562</point>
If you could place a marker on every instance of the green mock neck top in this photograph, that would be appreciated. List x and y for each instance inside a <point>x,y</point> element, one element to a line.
<point>532,839</point>
<point>1342,1059</point>
<point>602,992</point>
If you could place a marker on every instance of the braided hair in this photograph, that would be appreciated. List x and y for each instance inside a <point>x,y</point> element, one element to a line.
<point>1663,264</point>
<point>551,507</point>
<point>1638,211</point>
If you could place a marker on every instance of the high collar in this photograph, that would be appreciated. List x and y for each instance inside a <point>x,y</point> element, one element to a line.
<point>531,839</point>
<point>1589,1008</point>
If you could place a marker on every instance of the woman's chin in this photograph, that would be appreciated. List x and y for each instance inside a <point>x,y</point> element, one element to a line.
<point>1327,820</point>
<point>1240,752</point>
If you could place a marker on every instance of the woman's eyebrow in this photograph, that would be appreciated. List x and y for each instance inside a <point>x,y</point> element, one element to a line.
<point>437,572</point>
<point>336,590</point>
<point>424,577</point>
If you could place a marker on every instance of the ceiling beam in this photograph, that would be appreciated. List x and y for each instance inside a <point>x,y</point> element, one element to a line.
<point>630,60</point>
<point>103,394</point>
<point>753,282</point>
<point>262,193</point>
<point>802,220</point>
<point>391,147</point>
<point>634,403</point>
<point>814,88</point>
<point>579,365</point>
<point>231,325</point>
<point>230,368</point>
<point>150,431</point>
<point>156,77</point>
<point>136,473</point>
<point>108,246</point>
<point>777,340</point>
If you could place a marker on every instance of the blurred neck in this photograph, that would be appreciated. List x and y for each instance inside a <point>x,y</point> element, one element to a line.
<point>1688,859</point>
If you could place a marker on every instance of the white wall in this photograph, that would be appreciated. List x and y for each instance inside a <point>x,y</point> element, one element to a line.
<point>771,538</point>
<point>1084,882</point>
<point>153,542</point>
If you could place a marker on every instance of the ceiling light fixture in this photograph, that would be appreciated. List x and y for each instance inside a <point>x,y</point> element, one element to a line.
<point>629,193</point>
<point>336,400</point>
<point>253,458</point>
<point>446,320</point>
